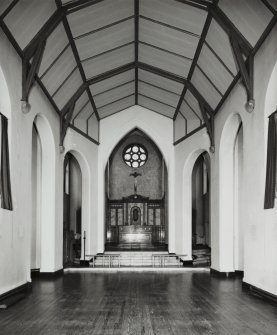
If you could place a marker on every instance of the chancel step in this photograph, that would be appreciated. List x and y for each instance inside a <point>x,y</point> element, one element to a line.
<point>137,259</point>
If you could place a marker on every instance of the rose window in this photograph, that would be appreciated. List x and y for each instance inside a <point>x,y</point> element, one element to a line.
<point>135,155</point>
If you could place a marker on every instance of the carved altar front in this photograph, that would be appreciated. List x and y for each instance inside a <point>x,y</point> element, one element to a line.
<point>135,221</point>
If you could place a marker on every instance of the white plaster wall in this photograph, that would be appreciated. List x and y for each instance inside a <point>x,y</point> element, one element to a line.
<point>112,130</point>
<point>15,226</point>
<point>260,228</point>
<point>15,246</point>
<point>256,224</point>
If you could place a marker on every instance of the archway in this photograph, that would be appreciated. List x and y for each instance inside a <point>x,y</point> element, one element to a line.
<point>36,199</point>
<point>201,251</point>
<point>43,196</point>
<point>72,214</point>
<point>230,196</point>
<point>136,195</point>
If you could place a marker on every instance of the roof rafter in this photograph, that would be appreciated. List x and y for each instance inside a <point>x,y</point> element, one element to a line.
<point>77,58</point>
<point>240,45</point>
<point>21,55</point>
<point>194,62</point>
<point>29,71</point>
<point>9,8</point>
<point>85,86</point>
<point>201,4</point>
<point>136,9</point>
<point>231,30</point>
<point>44,33</point>
<point>55,19</point>
<point>111,73</point>
<point>209,122</point>
<point>65,122</point>
<point>178,79</point>
<point>72,7</point>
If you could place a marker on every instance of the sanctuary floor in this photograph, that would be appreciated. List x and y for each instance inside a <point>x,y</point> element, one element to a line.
<point>190,302</point>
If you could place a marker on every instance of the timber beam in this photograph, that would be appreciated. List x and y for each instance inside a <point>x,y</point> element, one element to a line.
<point>201,4</point>
<point>76,54</point>
<point>74,98</point>
<point>136,6</point>
<point>64,124</point>
<point>111,73</point>
<point>54,20</point>
<point>241,47</point>
<point>85,86</point>
<point>29,71</point>
<point>178,79</point>
<point>231,30</point>
<point>44,33</point>
<point>209,122</point>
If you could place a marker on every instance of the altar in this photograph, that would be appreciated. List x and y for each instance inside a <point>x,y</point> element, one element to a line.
<point>135,222</point>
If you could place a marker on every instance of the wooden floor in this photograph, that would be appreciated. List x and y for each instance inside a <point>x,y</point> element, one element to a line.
<point>139,303</point>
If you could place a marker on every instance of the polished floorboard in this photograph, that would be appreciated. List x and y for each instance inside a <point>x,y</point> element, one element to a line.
<point>122,303</point>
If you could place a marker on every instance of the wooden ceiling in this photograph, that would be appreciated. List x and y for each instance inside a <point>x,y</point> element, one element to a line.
<point>174,57</point>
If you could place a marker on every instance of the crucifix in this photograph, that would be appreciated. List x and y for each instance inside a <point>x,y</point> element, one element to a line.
<point>135,175</point>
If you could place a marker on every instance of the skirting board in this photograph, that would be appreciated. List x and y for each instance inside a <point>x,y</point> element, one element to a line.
<point>261,293</point>
<point>13,296</point>
<point>234,274</point>
<point>37,274</point>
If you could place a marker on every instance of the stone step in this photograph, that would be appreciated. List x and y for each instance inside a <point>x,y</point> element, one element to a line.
<point>135,259</point>
<point>202,257</point>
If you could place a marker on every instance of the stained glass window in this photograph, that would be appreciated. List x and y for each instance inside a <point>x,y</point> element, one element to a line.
<point>135,155</point>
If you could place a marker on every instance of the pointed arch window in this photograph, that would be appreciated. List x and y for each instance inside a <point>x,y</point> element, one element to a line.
<point>5,181</point>
<point>271,164</point>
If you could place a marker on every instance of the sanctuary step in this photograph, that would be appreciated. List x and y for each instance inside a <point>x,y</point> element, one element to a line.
<point>136,259</point>
<point>201,256</point>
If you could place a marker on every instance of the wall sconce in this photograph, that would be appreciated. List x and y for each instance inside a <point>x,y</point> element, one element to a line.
<point>62,149</point>
<point>25,107</point>
<point>250,105</point>
<point>212,149</point>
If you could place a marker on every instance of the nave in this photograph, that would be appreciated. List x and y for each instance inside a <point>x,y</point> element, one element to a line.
<point>138,126</point>
<point>121,303</point>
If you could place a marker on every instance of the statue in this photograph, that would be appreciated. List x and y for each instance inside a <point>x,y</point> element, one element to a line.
<point>135,175</point>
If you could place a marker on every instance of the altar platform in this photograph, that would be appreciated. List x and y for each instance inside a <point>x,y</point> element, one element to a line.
<point>136,238</point>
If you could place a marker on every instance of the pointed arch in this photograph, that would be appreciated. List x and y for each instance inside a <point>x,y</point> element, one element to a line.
<point>45,217</point>
<point>230,178</point>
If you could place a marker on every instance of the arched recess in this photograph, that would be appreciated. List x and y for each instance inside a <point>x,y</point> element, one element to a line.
<point>231,253</point>
<point>187,199</point>
<point>113,129</point>
<point>76,208</point>
<point>43,196</point>
<point>136,195</point>
<point>72,213</point>
<point>201,237</point>
<point>127,131</point>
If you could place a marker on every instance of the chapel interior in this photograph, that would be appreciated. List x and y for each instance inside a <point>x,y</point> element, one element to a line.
<point>138,166</point>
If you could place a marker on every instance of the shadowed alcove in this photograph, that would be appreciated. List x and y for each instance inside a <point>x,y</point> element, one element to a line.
<point>136,195</point>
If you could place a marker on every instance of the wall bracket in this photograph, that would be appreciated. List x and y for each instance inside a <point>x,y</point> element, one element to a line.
<point>65,120</point>
<point>29,71</point>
